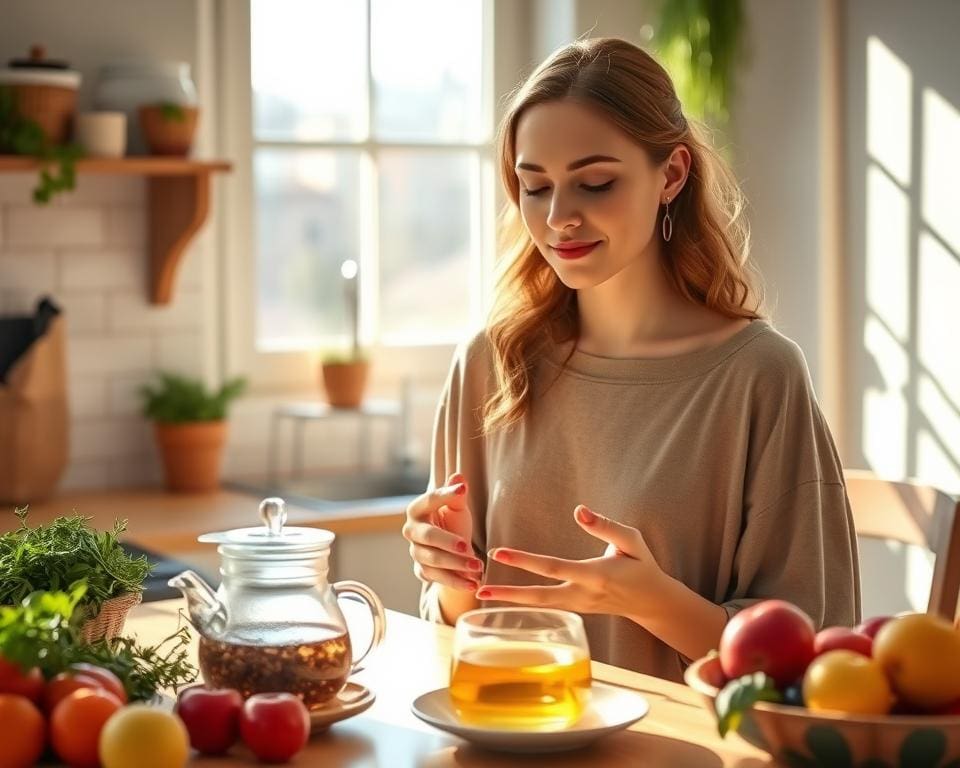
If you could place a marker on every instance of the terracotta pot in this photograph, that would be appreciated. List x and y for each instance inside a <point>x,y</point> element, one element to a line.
<point>191,454</point>
<point>345,383</point>
<point>167,135</point>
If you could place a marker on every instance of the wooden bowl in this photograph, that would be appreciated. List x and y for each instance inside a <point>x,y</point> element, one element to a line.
<point>799,737</point>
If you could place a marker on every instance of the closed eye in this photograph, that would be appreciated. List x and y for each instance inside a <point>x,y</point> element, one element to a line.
<point>588,187</point>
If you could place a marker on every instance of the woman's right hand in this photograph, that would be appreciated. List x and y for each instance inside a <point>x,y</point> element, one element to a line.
<point>439,527</point>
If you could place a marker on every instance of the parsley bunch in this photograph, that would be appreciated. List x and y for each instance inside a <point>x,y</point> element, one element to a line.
<point>57,556</point>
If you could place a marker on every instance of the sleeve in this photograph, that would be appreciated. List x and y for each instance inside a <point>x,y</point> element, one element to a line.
<point>798,541</point>
<point>458,446</point>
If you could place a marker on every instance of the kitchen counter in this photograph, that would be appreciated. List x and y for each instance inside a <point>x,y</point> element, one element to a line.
<point>170,523</point>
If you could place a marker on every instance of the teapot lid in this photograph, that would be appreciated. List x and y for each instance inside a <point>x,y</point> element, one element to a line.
<point>271,537</point>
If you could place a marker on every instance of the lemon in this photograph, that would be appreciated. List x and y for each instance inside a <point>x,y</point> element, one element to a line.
<point>141,736</point>
<point>847,681</point>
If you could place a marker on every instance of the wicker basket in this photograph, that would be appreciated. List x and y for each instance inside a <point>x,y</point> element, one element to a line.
<point>44,91</point>
<point>107,623</point>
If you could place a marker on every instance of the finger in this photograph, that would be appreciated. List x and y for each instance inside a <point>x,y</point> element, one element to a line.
<point>543,597</point>
<point>428,535</point>
<point>437,558</point>
<point>542,565</point>
<point>626,538</point>
<point>454,496</point>
<point>445,577</point>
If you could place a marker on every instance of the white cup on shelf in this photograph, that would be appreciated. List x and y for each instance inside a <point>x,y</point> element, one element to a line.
<point>101,134</point>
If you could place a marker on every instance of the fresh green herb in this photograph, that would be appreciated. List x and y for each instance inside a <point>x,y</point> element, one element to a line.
<point>172,113</point>
<point>57,556</point>
<point>739,695</point>
<point>21,136</point>
<point>43,631</point>
<point>178,399</point>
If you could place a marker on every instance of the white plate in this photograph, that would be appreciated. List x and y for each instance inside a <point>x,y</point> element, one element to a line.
<point>352,700</point>
<point>611,708</point>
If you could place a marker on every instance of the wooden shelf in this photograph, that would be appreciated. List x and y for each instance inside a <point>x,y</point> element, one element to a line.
<point>178,196</point>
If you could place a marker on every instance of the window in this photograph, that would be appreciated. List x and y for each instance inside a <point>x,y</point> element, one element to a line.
<point>371,142</point>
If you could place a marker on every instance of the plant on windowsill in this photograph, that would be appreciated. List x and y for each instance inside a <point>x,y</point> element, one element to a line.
<point>21,136</point>
<point>344,373</point>
<point>190,424</point>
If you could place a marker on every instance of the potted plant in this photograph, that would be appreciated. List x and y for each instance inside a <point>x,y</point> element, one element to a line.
<point>191,428</point>
<point>64,553</point>
<point>344,374</point>
<point>168,128</point>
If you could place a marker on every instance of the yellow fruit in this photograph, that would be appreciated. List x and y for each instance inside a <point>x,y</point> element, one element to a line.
<point>141,736</point>
<point>920,654</point>
<point>846,681</point>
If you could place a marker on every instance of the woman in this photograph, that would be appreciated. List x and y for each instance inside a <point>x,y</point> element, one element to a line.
<point>627,377</point>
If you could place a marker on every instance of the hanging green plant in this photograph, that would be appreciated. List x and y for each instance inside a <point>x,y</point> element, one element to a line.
<point>699,43</point>
<point>21,136</point>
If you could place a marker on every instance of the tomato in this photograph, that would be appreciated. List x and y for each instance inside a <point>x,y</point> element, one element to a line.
<point>23,732</point>
<point>835,638</point>
<point>15,680</point>
<point>108,681</point>
<point>141,736</point>
<point>212,717</point>
<point>76,723</point>
<point>275,726</point>
<point>62,685</point>
<point>847,681</point>
<point>773,636</point>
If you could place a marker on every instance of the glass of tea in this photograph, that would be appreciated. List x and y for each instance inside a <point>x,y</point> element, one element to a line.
<point>520,668</point>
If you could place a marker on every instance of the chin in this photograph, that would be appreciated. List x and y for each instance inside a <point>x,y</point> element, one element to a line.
<point>576,277</point>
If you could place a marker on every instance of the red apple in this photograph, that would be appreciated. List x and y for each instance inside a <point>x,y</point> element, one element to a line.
<point>275,726</point>
<point>774,637</point>
<point>870,627</point>
<point>834,638</point>
<point>212,717</point>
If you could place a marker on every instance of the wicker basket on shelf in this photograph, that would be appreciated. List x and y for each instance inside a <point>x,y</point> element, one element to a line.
<point>44,91</point>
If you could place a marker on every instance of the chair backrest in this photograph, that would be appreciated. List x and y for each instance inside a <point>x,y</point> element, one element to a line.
<point>912,513</point>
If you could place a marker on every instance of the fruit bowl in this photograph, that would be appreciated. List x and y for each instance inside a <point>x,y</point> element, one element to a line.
<point>801,738</point>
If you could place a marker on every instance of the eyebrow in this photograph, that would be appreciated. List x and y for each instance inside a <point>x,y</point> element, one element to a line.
<point>583,161</point>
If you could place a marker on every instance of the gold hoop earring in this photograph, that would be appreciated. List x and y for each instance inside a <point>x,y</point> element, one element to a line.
<point>666,226</point>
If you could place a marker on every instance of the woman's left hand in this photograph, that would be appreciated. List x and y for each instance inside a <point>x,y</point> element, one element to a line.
<point>621,582</point>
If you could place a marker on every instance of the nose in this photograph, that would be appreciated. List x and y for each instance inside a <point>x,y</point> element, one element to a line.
<point>562,215</point>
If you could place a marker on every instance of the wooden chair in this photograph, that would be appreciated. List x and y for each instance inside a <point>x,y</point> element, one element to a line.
<point>912,513</point>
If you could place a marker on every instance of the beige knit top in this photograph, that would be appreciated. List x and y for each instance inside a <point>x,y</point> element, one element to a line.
<point>721,458</point>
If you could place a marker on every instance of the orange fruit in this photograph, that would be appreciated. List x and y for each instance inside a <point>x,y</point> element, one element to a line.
<point>920,654</point>
<point>847,681</point>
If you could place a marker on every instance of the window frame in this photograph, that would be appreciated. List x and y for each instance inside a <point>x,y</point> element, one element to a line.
<point>293,370</point>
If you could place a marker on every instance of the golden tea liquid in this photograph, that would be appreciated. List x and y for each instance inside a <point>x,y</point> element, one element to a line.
<point>520,685</point>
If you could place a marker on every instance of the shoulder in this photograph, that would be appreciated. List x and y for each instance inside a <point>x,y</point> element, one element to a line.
<point>473,360</point>
<point>771,357</point>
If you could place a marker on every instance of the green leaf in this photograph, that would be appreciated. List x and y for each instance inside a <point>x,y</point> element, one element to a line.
<point>923,748</point>
<point>178,399</point>
<point>828,747</point>
<point>172,113</point>
<point>739,695</point>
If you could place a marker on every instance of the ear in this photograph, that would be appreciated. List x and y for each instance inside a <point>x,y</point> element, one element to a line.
<point>675,170</point>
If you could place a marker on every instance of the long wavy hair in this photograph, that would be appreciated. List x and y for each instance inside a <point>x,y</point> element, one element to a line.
<point>706,259</point>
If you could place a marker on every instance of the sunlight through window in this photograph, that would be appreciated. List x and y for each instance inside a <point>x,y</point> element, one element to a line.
<point>888,252</point>
<point>889,85</point>
<point>941,168</point>
<point>884,405</point>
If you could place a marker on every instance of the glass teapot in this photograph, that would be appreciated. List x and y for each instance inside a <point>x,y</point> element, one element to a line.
<point>274,624</point>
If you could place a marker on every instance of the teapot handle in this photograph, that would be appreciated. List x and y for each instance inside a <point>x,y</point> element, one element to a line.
<point>368,596</point>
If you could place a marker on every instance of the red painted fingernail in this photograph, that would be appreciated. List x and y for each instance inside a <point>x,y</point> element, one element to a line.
<point>476,565</point>
<point>500,554</point>
<point>484,594</point>
<point>586,516</point>
<point>459,489</point>
<point>462,546</point>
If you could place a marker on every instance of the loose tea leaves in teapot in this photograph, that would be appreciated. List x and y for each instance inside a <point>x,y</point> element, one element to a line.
<point>314,671</point>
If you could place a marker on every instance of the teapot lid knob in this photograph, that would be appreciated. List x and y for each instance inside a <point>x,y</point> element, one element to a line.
<point>273,513</point>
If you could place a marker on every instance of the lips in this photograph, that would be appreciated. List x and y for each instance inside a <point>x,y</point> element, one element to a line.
<point>574,250</point>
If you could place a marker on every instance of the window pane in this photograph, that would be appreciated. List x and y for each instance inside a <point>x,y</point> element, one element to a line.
<point>426,58</point>
<point>427,231</point>
<point>308,66</point>
<point>308,225</point>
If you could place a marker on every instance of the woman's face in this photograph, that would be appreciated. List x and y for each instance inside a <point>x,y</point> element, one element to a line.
<point>583,182</point>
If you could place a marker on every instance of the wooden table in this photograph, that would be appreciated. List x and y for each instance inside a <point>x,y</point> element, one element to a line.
<point>414,659</point>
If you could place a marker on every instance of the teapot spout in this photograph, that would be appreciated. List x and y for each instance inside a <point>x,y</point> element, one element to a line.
<point>207,613</point>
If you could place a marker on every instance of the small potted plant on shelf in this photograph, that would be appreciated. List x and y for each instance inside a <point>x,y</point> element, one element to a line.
<point>344,374</point>
<point>168,128</point>
<point>62,554</point>
<point>191,428</point>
